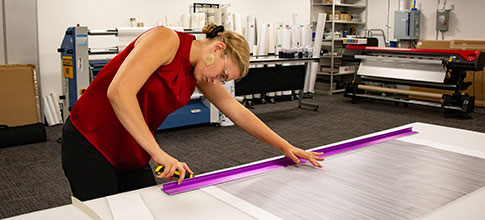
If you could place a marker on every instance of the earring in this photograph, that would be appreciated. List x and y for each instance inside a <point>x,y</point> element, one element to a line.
<point>209,59</point>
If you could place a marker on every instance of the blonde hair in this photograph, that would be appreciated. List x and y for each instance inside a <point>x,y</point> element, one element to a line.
<point>236,45</point>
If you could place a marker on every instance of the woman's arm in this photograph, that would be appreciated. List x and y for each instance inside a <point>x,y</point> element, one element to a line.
<point>246,120</point>
<point>153,49</point>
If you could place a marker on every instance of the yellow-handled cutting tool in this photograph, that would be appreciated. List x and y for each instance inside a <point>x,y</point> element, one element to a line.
<point>176,174</point>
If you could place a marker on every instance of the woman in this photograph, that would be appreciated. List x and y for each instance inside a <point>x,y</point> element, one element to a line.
<point>108,139</point>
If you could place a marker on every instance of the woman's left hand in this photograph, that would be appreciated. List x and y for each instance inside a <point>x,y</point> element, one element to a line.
<point>295,153</point>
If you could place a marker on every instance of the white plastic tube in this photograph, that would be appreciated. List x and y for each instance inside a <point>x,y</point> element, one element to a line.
<point>251,29</point>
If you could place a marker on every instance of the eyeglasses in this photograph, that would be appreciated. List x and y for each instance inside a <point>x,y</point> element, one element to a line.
<point>224,76</point>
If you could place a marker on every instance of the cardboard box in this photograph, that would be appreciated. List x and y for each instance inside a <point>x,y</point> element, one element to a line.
<point>18,95</point>
<point>476,77</point>
<point>345,17</point>
<point>331,1</point>
<point>337,15</point>
<point>468,45</point>
<point>433,44</point>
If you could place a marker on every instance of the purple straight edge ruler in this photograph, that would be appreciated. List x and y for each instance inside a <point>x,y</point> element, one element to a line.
<point>197,182</point>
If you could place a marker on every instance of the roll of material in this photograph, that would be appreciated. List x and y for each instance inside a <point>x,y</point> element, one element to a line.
<point>262,38</point>
<point>186,21</point>
<point>130,32</point>
<point>279,37</point>
<point>308,36</point>
<point>224,16</point>
<point>286,40</point>
<point>237,23</point>
<point>52,109</point>
<point>317,46</point>
<point>171,20</point>
<point>197,20</point>
<point>400,91</point>
<point>305,36</point>
<point>251,29</point>
<point>229,22</point>
<point>56,109</point>
<point>201,20</point>
<point>194,20</point>
<point>218,17</point>
<point>211,16</point>
<point>47,112</point>
<point>270,42</point>
<point>295,33</point>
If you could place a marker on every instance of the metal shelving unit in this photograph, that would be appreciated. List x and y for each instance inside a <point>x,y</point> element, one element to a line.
<point>330,69</point>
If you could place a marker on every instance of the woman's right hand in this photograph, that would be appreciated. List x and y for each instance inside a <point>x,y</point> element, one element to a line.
<point>171,164</point>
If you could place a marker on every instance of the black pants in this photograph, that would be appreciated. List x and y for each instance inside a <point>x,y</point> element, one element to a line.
<point>90,174</point>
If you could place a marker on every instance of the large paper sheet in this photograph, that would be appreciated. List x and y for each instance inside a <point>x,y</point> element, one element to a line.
<point>128,207</point>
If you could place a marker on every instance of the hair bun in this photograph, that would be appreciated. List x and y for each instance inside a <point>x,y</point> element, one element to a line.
<point>211,30</point>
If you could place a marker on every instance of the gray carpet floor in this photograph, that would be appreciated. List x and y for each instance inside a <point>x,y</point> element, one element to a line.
<point>32,178</point>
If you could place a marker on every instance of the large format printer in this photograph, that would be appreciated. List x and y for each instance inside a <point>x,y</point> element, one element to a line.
<point>80,65</point>
<point>384,71</point>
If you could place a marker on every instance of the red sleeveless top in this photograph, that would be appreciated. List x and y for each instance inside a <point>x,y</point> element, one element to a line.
<point>166,90</point>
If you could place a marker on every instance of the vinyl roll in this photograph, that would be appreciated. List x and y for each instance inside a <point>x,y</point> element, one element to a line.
<point>251,29</point>
<point>52,109</point>
<point>305,35</point>
<point>48,112</point>
<point>130,32</point>
<point>317,46</point>
<point>218,17</point>
<point>308,36</point>
<point>211,16</point>
<point>194,20</point>
<point>201,20</point>
<point>56,109</point>
<point>172,21</point>
<point>400,91</point>
<point>237,23</point>
<point>224,16</point>
<point>229,22</point>
<point>295,32</point>
<point>262,38</point>
<point>185,21</point>
<point>296,36</point>
<point>270,42</point>
<point>286,37</point>
<point>279,37</point>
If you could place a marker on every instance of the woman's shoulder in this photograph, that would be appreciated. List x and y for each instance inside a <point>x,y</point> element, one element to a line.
<point>162,35</point>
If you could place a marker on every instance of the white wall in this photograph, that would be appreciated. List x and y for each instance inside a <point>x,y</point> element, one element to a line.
<point>2,39</point>
<point>465,19</point>
<point>21,32</point>
<point>54,16</point>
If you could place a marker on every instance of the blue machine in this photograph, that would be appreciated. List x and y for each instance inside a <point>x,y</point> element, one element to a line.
<point>75,68</point>
<point>78,71</point>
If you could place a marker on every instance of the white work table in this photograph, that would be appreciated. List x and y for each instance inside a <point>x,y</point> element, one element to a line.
<point>214,203</point>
